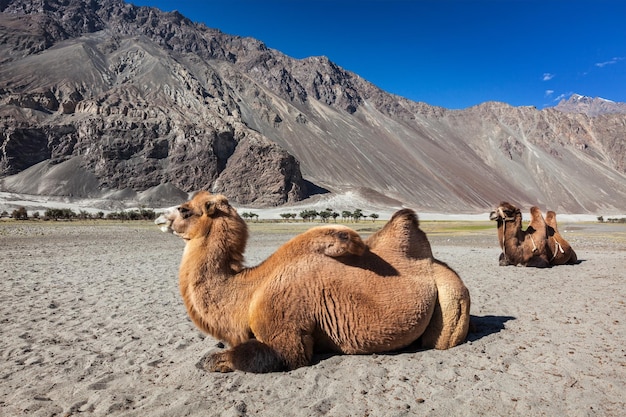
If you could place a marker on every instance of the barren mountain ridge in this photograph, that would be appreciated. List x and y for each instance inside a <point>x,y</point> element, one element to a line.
<point>103,98</point>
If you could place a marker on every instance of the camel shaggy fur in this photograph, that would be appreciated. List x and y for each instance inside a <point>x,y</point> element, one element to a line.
<point>521,247</point>
<point>403,243</point>
<point>560,251</point>
<point>324,290</point>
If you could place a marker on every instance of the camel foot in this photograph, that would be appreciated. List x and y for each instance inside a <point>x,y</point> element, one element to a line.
<point>250,356</point>
<point>216,362</point>
<point>503,261</point>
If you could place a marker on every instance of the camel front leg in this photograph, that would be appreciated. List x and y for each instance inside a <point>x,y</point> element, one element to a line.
<point>250,356</point>
<point>288,351</point>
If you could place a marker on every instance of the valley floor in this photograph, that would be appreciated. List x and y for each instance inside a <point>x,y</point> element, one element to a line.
<point>93,324</point>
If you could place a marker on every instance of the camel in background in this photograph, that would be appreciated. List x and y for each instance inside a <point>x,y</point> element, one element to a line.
<point>521,247</point>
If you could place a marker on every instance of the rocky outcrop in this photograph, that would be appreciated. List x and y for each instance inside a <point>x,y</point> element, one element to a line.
<point>262,173</point>
<point>152,101</point>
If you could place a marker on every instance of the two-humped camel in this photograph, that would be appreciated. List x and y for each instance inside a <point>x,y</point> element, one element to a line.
<point>324,290</point>
<point>540,245</point>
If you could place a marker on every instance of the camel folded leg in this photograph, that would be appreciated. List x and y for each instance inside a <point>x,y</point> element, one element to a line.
<point>250,356</point>
<point>503,260</point>
<point>288,350</point>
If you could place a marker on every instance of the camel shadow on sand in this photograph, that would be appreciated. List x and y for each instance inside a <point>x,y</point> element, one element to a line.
<point>481,326</point>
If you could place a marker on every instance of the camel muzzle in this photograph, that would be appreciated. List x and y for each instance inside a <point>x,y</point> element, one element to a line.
<point>164,220</point>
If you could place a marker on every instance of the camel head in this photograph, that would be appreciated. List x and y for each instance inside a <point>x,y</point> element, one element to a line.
<point>195,218</point>
<point>505,212</point>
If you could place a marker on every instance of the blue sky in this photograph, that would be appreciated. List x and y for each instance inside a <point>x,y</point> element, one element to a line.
<point>453,54</point>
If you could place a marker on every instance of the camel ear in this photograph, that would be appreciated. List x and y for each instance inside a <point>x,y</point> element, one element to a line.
<point>212,206</point>
<point>209,208</point>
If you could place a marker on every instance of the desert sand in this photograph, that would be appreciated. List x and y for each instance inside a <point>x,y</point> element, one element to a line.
<point>92,324</point>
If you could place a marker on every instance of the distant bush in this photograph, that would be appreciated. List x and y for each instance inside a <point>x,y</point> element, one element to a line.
<point>20,214</point>
<point>621,220</point>
<point>59,214</point>
<point>308,215</point>
<point>288,216</point>
<point>141,214</point>
<point>250,215</point>
<point>68,214</point>
<point>601,219</point>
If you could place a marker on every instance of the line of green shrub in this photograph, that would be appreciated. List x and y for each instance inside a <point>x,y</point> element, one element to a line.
<point>69,214</point>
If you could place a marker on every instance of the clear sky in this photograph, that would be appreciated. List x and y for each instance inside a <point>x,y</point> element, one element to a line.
<point>453,54</point>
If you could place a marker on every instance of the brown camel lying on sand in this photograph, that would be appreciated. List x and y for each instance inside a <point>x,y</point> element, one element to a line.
<point>324,290</point>
<point>560,251</point>
<point>540,245</point>
<point>521,247</point>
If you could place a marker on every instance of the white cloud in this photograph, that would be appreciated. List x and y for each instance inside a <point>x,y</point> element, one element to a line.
<point>615,60</point>
<point>547,76</point>
<point>562,96</point>
<point>549,93</point>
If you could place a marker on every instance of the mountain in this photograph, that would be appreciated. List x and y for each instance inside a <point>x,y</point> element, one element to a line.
<point>101,98</point>
<point>590,106</point>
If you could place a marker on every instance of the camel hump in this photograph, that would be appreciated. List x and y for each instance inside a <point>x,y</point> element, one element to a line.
<point>401,236</point>
<point>333,241</point>
<point>536,216</point>
<point>406,215</point>
<point>551,219</point>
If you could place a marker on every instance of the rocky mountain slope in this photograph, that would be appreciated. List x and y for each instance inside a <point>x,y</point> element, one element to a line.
<point>590,106</point>
<point>103,98</point>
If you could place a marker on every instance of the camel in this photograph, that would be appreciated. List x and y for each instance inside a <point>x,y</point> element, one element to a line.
<point>560,251</point>
<point>521,247</point>
<point>324,290</point>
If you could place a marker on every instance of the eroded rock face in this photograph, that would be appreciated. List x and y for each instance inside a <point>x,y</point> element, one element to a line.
<point>270,174</point>
<point>137,115</point>
<point>21,148</point>
<point>250,169</point>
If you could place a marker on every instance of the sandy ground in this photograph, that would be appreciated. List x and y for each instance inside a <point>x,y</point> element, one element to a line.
<point>92,324</point>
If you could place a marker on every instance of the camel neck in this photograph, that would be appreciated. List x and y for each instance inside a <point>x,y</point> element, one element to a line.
<point>220,251</point>
<point>213,257</point>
